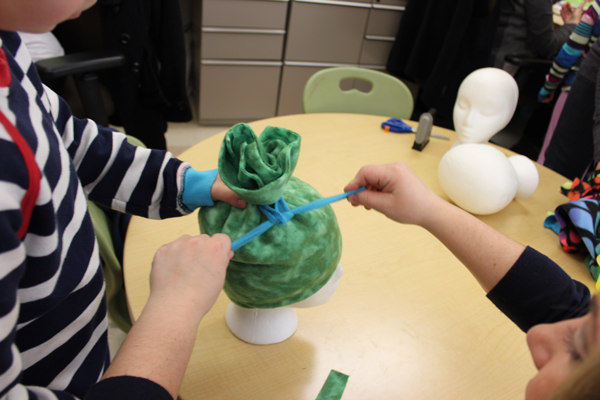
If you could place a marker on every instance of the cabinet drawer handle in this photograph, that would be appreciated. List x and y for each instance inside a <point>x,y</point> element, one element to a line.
<point>255,63</point>
<point>243,30</point>
<point>380,38</point>
<point>337,3</point>
<point>316,64</point>
<point>388,7</point>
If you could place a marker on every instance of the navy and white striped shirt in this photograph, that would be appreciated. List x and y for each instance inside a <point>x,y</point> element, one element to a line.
<point>53,326</point>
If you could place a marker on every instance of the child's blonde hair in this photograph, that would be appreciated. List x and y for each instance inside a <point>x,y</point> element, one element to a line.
<point>584,384</point>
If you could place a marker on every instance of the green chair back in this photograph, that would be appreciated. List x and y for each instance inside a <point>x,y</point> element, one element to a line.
<point>388,96</point>
<point>118,310</point>
<point>116,300</point>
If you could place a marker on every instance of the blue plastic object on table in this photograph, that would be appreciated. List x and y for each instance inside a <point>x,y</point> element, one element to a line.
<point>396,125</point>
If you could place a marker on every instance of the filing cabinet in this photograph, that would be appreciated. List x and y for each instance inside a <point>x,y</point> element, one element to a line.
<point>399,3</point>
<point>332,33</point>
<point>255,56</point>
<point>240,46</point>
<point>384,20</point>
<point>375,51</point>
<point>261,14</point>
<point>235,92</point>
<point>294,76</point>
<point>327,31</point>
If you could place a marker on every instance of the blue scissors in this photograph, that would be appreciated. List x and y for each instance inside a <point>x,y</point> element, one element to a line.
<point>398,126</point>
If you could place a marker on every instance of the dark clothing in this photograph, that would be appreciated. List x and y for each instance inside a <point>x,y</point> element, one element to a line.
<point>571,148</point>
<point>526,27</point>
<point>439,42</point>
<point>575,145</point>
<point>127,387</point>
<point>150,89</point>
<point>537,291</point>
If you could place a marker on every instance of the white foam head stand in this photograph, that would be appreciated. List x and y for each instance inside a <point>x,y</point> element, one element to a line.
<point>274,325</point>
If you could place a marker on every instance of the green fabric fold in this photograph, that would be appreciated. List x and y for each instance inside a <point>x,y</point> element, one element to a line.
<point>289,262</point>
<point>258,170</point>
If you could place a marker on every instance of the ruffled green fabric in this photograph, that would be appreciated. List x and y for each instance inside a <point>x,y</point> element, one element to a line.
<point>258,170</point>
<point>290,262</point>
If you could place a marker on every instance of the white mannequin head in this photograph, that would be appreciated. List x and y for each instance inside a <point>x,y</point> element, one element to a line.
<point>274,325</point>
<point>486,101</point>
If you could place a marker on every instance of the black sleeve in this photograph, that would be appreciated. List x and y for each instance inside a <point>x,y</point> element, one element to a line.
<point>127,388</point>
<point>536,290</point>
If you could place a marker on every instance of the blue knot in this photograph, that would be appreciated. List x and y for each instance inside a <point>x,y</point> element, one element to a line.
<point>280,214</point>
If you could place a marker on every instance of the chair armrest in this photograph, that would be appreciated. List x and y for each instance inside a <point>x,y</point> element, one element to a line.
<point>528,61</point>
<point>78,63</point>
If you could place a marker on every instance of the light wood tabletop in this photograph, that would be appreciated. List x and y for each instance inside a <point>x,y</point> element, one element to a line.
<point>408,321</point>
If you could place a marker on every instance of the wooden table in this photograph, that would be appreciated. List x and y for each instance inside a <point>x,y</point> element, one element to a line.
<point>408,320</point>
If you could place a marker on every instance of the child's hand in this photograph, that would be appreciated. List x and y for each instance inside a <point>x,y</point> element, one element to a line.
<point>190,272</point>
<point>395,191</point>
<point>221,192</point>
<point>202,188</point>
<point>572,15</point>
<point>546,99</point>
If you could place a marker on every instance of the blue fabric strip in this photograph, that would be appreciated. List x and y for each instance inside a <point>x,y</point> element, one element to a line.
<point>281,214</point>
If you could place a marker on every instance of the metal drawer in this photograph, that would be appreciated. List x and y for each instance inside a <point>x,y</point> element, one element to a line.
<point>376,50</point>
<point>242,44</point>
<point>232,92</point>
<point>330,33</point>
<point>399,3</point>
<point>294,78</point>
<point>362,3</point>
<point>384,22</point>
<point>245,13</point>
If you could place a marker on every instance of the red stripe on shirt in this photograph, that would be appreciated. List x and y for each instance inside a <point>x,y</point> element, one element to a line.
<point>33,173</point>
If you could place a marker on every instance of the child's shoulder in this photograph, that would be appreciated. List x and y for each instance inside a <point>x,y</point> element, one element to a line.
<point>10,41</point>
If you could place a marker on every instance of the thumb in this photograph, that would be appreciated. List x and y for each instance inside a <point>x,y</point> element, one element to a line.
<point>220,191</point>
<point>231,198</point>
<point>225,241</point>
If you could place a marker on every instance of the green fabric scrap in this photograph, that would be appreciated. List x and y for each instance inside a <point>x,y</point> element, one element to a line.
<point>334,386</point>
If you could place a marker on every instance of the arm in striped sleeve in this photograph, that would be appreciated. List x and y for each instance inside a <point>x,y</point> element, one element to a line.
<point>121,176</point>
<point>571,52</point>
<point>13,260</point>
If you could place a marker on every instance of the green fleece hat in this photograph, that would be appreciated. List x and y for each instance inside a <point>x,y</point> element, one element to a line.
<point>288,263</point>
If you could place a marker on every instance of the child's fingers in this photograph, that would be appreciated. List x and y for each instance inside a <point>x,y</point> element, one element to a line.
<point>352,186</point>
<point>225,241</point>
<point>358,181</point>
<point>369,199</point>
